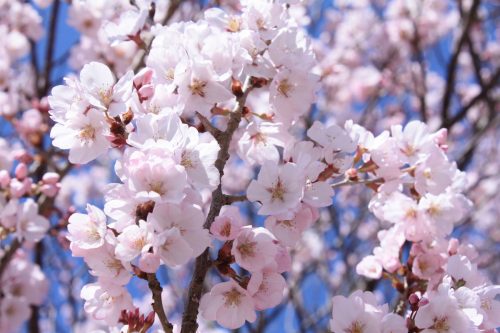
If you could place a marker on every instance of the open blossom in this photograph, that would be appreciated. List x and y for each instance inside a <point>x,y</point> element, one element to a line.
<point>254,248</point>
<point>194,151</point>
<point>267,288</point>
<point>370,267</point>
<point>130,23</point>
<point>278,188</point>
<point>413,141</point>
<point>30,225</point>
<point>434,174</point>
<point>200,88</point>
<point>288,230</point>
<point>87,231</point>
<point>229,304</point>
<point>134,240</point>
<point>181,224</point>
<point>228,224</point>
<point>83,134</point>
<point>13,312</point>
<point>104,264</point>
<point>291,94</point>
<point>153,174</point>
<point>260,141</point>
<point>98,84</point>
<point>22,285</point>
<point>360,313</point>
<point>442,313</point>
<point>105,301</point>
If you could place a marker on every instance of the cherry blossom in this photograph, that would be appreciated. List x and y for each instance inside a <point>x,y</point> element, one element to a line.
<point>229,304</point>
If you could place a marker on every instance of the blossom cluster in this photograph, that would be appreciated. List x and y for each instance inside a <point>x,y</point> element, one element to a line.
<point>210,102</point>
<point>195,71</point>
<point>20,24</point>
<point>22,285</point>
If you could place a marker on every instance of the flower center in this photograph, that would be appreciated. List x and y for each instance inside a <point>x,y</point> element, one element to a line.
<point>157,187</point>
<point>286,223</point>
<point>247,249</point>
<point>233,25</point>
<point>93,234</point>
<point>285,87</point>
<point>226,229</point>
<point>87,134</point>
<point>233,297</point>
<point>186,160</point>
<point>356,327</point>
<point>278,191</point>
<point>197,87</point>
<point>106,96</point>
<point>441,325</point>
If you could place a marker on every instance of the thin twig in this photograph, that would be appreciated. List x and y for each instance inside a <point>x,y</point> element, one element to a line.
<point>202,263</point>
<point>452,65</point>
<point>476,99</point>
<point>4,261</point>
<point>229,199</point>
<point>49,54</point>
<point>349,182</point>
<point>156,290</point>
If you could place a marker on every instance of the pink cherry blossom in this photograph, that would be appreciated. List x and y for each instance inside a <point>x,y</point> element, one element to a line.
<point>278,188</point>
<point>87,231</point>
<point>229,304</point>
<point>254,248</point>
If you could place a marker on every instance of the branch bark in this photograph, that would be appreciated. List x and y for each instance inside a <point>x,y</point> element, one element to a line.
<point>203,262</point>
<point>4,261</point>
<point>49,54</point>
<point>452,65</point>
<point>157,304</point>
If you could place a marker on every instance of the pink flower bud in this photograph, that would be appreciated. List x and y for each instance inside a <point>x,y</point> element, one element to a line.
<point>4,178</point>
<point>453,246</point>
<point>21,171</point>
<point>441,136</point>
<point>50,178</point>
<point>423,301</point>
<point>413,299</point>
<point>50,190</point>
<point>17,188</point>
<point>23,156</point>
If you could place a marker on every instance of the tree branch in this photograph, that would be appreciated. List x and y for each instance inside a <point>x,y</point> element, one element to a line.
<point>157,304</point>
<point>480,96</point>
<point>452,65</point>
<point>348,182</point>
<point>202,263</point>
<point>49,54</point>
<point>4,261</point>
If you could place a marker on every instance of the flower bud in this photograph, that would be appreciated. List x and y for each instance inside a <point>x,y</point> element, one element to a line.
<point>21,171</point>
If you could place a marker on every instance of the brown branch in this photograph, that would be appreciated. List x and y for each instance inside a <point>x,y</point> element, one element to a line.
<point>468,152</point>
<point>453,64</point>
<point>156,290</point>
<point>4,261</point>
<point>229,199</point>
<point>203,263</point>
<point>421,89</point>
<point>49,53</point>
<point>208,125</point>
<point>349,182</point>
<point>476,99</point>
